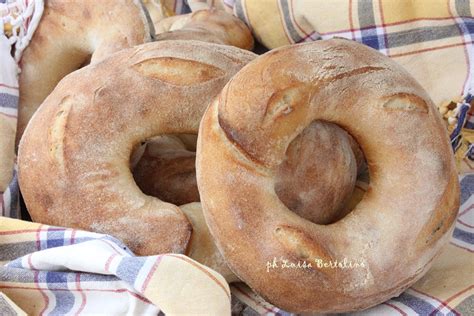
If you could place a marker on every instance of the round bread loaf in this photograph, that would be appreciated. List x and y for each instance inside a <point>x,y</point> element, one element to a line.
<point>212,26</point>
<point>70,35</point>
<point>74,158</point>
<point>391,237</point>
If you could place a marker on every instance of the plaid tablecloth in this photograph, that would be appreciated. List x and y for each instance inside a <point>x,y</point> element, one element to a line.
<point>56,271</point>
<point>51,270</point>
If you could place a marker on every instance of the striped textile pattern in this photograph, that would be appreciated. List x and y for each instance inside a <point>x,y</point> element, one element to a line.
<point>56,271</point>
<point>416,34</point>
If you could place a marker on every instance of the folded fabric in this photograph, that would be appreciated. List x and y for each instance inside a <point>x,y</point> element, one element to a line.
<point>433,41</point>
<point>58,271</point>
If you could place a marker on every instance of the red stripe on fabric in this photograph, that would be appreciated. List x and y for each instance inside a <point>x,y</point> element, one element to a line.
<point>9,87</point>
<point>466,53</point>
<point>352,29</point>
<point>449,299</point>
<point>466,210</point>
<point>395,308</point>
<point>108,262</point>
<point>271,310</point>
<point>351,22</point>
<point>456,245</point>
<point>468,163</point>
<point>465,224</point>
<point>430,296</point>
<point>43,294</point>
<point>73,236</point>
<point>296,22</point>
<point>38,241</point>
<point>441,303</point>
<point>83,295</point>
<point>111,245</point>
<point>430,49</point>
<point>30,262</point>
<point>150,273</point>
<point>73,290</point>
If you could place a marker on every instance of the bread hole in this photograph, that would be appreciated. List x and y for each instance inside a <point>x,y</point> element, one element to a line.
<point>317,180</point>
<point>86,61</point>
<point>164,167</point>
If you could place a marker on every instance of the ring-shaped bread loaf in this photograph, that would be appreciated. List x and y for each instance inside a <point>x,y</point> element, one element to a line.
<point>389,240</point>
<point>70,35</point>
<point>74,158</point>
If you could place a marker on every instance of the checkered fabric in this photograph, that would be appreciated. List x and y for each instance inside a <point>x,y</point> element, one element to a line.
<point>56,271</point>
<point>432,39</point>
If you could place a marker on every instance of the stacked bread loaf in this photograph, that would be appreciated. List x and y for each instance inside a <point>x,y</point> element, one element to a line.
<point>193,144</point>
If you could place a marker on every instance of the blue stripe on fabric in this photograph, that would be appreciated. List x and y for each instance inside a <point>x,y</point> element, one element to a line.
<point>295,36</point>
<point>370,38</point>
<point>64,299</point>
<point>55,238</point>
<point>64,303</point>
<point>14,196</point>
<point>44,276</point>
<point>185,8</point>
<point>463,7</point>
<point>467,188</point>
<point>420,306</point>
<point>413,36</point>
<point>8,101</point>
<point>129,268</point>
<point>55,279</point>
<point>91,277</point>
<point>469,24</point>
<point>239,11</point>
<point>463,235</point>
<point>469,125</point>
